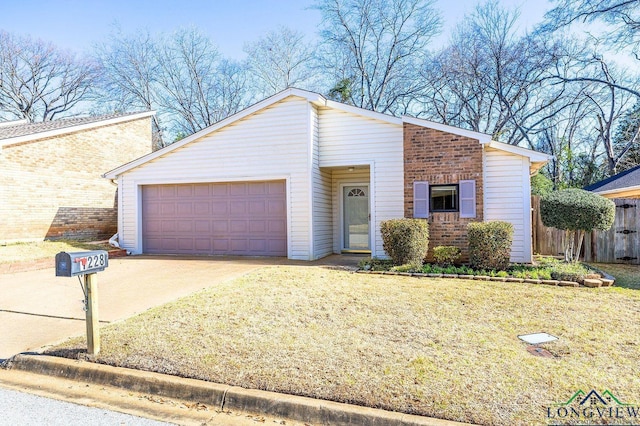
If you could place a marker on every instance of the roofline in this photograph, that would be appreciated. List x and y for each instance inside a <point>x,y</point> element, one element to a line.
<point>613,191</point>
<point>71,129</point>
<point>314,98</point>
<point>538,159</point>
<point>603,182</point>
<point>483,138</point>
<point>13,122</point>
<point>364,112</point>
<point>534,156</point>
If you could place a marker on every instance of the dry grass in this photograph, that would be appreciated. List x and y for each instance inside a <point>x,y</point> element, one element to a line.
<point>18,252</point>
<point>627,276</point>
<point>441,348</point>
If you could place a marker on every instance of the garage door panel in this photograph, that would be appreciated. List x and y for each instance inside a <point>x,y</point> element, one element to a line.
<point>245,218</point>
<point>237,189</point>
<point>203,245</point>
<point>186,244</point>
<point>276,208</point>
<point>220,227</point>
<point>168,191</point>
<point>277,226</point>
<point>168,209</point>
<point>256,188</point>
<point>200,208</point>
<point>219,208</point>
<point>169,226</point>
<point>277,245</point>
<point>185,226</point>
<point>257,207</point>
<point>238,226</point>
<point>202,226</point>
<point>154,226</point>
<point>220,246</point>
<point>238,207</point>
<point>257,226</point>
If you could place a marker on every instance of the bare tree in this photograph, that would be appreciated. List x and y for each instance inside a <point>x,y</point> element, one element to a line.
<point>279,60</point>
<point>373,48</point>
<point>622,17</point>
<point>39,81</point>
<point>493,81</point>
<point>128,70</point>
<point>611,105</point>
<point>197,87</point>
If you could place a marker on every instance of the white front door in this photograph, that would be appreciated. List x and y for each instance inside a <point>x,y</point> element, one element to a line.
<point>355,217</point>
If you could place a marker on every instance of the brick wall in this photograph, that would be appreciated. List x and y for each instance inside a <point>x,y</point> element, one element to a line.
<point>442,158</point>
<point>52,188</point>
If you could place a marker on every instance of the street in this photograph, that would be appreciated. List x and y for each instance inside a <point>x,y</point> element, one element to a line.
<point>20,408</point>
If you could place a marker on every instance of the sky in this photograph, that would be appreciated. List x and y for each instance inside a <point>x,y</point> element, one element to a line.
<point>79,24</point>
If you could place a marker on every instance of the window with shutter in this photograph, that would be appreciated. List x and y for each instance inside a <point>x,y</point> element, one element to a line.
<point>420,199</point>
<point>467,198</point>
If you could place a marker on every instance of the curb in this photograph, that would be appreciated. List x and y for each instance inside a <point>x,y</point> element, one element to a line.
<point>223,396</point>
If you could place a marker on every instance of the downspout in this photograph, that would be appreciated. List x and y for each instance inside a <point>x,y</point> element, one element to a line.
<point>113,241</point>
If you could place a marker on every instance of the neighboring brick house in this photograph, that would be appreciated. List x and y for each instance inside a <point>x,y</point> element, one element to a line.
<point>50,174</point>
<point>301,176</point>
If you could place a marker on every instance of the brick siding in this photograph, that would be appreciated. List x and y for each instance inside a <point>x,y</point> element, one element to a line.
<point>52,188</point>
<point>442,158</point>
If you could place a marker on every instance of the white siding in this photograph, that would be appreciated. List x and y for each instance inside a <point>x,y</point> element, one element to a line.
<point>507,197</point>
<point>322,204</point>
<point>271,144</point>
<point>348,139</point>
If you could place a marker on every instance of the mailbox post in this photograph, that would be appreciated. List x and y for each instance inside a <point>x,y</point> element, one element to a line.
<point>86,264</point>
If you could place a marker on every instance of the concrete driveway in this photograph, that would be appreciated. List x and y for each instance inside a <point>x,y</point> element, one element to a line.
<point>38,309</point>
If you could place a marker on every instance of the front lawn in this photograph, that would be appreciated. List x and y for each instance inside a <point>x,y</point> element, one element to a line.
<point>445,348</point>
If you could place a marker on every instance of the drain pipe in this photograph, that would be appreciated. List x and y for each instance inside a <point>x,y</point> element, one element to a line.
<point>113,241</point>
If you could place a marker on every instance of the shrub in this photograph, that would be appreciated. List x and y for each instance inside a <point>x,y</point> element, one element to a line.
<point>540,184</point>
<point>375,264</point>
<point>576,211</point>
<point>569,272</point>
<point>446,255</point>
<point>490,244</point>
<point>405,240</point>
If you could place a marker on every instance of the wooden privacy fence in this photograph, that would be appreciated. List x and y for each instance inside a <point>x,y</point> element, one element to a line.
<point>620,244</point>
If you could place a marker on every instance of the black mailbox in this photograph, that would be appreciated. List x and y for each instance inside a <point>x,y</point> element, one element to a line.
<point>81,263</point>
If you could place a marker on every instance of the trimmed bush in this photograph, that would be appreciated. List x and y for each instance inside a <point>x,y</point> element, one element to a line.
<point>446,255</point>
<point>405,240</point>
<point>576,211</point>
<point>490,244</point>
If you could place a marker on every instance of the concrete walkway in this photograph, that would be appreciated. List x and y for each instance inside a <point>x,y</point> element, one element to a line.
<point>38,309</point>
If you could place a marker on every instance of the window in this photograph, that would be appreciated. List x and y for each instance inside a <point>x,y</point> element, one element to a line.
<point>443,198</point>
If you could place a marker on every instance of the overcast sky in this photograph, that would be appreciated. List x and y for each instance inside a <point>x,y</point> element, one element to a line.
<point>77,24</point>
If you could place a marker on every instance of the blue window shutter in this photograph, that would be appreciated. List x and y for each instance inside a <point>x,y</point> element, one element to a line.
<point>467,198</point>
<point>420,199</point>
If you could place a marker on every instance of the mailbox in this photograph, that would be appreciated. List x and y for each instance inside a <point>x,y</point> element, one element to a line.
<point>81,263</point>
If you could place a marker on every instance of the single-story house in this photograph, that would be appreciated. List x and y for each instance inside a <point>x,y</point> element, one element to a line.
<point>301,176</point>
<point>50,174</point>
<point>622,185</point>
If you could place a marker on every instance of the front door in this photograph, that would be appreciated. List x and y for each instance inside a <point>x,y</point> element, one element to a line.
<point>355,217</point>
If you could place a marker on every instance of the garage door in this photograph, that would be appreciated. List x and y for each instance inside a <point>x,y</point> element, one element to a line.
<point>235,218</point>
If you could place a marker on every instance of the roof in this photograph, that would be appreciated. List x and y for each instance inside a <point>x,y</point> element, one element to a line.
<point>320,101</point>
<point>24,132</point>
<point>623,181</point>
